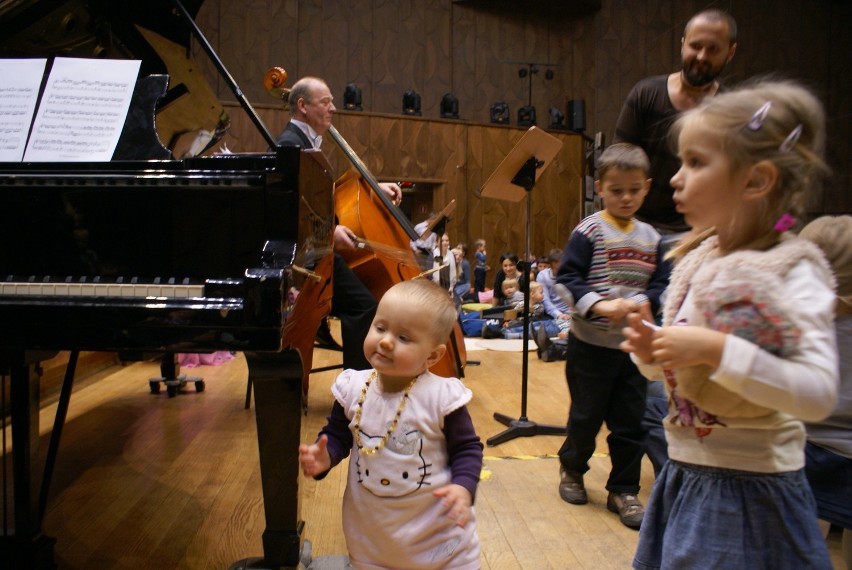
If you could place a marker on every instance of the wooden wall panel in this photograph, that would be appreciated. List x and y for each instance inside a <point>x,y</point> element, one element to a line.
<point>439,46</point>
<point>839,198</point>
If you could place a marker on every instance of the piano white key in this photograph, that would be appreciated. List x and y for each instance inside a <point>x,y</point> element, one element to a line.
<point>90,289</point>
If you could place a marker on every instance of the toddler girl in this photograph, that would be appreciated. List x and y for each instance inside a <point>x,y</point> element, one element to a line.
<point>415,458</point>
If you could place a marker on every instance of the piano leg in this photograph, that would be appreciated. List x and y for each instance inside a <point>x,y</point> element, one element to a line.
<point>277,382</point>
<point>28,547</point>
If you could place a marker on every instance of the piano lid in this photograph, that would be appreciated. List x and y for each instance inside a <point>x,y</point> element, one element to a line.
<point>152,31</point>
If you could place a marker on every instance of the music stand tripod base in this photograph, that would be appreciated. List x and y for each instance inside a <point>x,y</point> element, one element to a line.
<point>521,427</point>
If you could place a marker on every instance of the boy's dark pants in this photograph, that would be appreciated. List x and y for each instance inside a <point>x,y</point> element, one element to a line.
<point>478,280</point>
<point>605,386</point>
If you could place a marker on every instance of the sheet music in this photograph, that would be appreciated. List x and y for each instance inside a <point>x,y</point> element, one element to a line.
<point>20,80</point>
<point>82,110</point>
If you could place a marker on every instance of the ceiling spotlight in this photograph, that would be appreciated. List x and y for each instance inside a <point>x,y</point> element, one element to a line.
<point>500,113</point>
<point>548,74</point>
<point>449,107</point>
<point>411,103</point>
<point>522,72</point>
<point>556,118</point>
<point>526,116</point>
<point>352,98</point>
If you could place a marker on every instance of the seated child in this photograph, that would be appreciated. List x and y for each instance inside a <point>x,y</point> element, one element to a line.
<point>514,328</point>
<point>512,293</point>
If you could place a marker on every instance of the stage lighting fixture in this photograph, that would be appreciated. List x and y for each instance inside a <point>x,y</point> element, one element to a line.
<point>352,98</point>
<point>449,107</point>
<point>411,103</point>
<point>500,113</point>
<point>556,118</point>
<point>526,116</point>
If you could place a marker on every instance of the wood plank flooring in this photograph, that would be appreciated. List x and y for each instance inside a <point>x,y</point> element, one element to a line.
<point>144,481</point>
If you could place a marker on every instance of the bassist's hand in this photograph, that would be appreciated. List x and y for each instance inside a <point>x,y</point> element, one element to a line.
<point>344,238</point>
<point>393,191</point>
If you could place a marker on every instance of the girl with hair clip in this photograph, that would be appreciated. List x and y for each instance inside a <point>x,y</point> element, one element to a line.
<point>747,346</point>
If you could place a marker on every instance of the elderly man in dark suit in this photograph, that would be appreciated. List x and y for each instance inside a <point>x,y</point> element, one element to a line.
<point>311,110</point>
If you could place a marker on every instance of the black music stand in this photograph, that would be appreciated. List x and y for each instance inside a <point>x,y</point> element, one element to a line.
<point>513,180</point>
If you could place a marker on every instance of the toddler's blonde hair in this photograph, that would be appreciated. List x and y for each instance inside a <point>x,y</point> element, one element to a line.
<point>439,312</point>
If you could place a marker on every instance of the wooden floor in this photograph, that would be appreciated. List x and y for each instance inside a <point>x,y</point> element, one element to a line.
<point>147,481</point>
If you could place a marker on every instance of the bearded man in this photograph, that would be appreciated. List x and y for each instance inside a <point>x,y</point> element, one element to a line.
<point>707,46</point>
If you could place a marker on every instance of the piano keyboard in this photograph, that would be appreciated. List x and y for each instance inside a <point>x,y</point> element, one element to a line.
<point>171,288</point>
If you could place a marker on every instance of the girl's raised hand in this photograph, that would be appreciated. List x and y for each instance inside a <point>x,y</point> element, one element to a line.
<point>681,346</point>
<point>638,337</point>
<point>314,459</point>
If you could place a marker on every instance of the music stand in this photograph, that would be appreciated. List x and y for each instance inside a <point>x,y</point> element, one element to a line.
<point>513,180</point>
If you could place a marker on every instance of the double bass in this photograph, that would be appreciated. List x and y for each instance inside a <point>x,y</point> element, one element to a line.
<point>383,256</point>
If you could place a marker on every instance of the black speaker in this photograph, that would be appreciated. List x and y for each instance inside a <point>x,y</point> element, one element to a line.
<point>577,115</point>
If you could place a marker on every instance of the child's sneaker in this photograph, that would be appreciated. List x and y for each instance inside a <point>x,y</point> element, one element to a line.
<point>628,507</point>
<point>571,487</point>
<point>492,331</point>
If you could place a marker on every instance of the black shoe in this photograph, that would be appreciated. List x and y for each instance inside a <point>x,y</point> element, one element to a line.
<point>571,487</point>
<point>629,509</point>
<point>554,352</point>
<point>323,338</point>
<point>491,331</point>
<point>542,340</point>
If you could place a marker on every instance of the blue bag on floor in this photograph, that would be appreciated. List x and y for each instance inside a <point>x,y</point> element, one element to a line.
<point>472,324</point>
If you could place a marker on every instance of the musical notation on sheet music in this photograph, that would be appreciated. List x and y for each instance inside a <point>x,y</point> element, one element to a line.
<point>19,84</point>
<point>82,110</point>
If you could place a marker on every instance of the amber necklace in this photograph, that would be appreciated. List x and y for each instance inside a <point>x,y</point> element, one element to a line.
<point>357,422</point>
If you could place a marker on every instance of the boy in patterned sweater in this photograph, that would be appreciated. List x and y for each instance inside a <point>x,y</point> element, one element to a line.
<point>612,266</point>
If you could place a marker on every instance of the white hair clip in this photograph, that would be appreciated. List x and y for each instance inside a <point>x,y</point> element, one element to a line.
<point>791,139</point>
<point>759,116</point>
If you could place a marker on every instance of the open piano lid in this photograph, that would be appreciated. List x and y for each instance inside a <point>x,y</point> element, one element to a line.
<point>152,31</point>
<point>91,28</point>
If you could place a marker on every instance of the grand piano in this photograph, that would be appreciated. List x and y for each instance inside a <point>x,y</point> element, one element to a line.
<point>152,254</point>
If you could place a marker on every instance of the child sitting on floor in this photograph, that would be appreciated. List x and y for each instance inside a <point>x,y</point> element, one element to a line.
<point>514,327</point>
